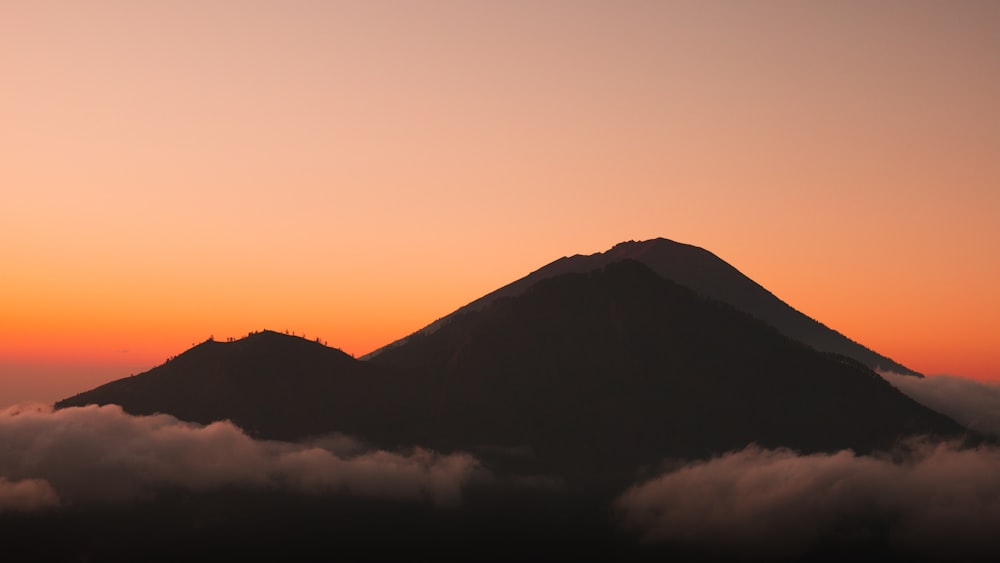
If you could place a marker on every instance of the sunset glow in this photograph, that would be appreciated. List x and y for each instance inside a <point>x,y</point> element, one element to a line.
<point>352,171</point>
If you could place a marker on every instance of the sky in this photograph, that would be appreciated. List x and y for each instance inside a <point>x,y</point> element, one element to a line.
<point>355,170</point>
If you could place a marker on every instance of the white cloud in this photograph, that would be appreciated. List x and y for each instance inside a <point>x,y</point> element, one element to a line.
<point>972,403</point>
<point>936,500</point>
<point>101,454</point>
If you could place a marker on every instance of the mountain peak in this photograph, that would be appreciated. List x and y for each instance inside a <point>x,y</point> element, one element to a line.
<point>263,381</point>
<point>641,244</point>
<point>272,338</point>
<point>701,271</point>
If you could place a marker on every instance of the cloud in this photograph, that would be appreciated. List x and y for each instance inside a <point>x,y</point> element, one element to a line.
<point>26,495</point>
<point>972,403</point>
<point>936,500</point>
<point>100,454</point>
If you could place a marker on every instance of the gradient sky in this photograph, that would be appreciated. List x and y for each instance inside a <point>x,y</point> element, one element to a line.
<point>355,170</point>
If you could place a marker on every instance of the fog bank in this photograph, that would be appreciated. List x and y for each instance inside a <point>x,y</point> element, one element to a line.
<point>932,499</point>
<point>974,404</point>
<point>101,454</point>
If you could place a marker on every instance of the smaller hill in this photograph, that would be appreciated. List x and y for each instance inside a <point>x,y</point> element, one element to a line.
<point>270,384</point>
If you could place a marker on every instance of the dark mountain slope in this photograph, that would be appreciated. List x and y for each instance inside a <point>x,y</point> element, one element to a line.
<point>602,372</point>
<point>708,275</point>
<point>271,384</point>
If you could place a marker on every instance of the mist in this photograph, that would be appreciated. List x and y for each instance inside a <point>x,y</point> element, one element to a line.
<point>937,500</point>
<point>100,454</point>
<point>974,404</point>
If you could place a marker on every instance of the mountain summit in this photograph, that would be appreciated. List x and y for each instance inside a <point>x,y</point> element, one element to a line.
<point>706,274</point>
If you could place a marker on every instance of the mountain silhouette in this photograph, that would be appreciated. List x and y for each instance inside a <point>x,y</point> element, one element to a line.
<point>272,385</point>
<point>706,274</point>
<point>588,377</point>
<point>599,373</point>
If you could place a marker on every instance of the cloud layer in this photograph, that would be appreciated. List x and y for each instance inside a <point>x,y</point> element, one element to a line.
<point>101,454</point>
<point>971,403</point>
<point>933,499</point>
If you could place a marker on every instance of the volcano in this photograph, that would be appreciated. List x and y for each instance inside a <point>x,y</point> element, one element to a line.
<point>617,368</point>
<point>706,274</point>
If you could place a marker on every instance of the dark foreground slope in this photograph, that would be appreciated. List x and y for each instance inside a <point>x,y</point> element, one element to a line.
<point>607,371</point>
<point>271,526</point>
<point>706,274</point>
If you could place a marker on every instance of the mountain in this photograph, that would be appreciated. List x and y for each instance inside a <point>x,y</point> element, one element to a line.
<point>603,372</point>
<point>270,384</point>
<point>706,274</point>
<point>587,377</point>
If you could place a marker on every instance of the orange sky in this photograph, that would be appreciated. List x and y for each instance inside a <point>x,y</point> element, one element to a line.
<point>353,171</point>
